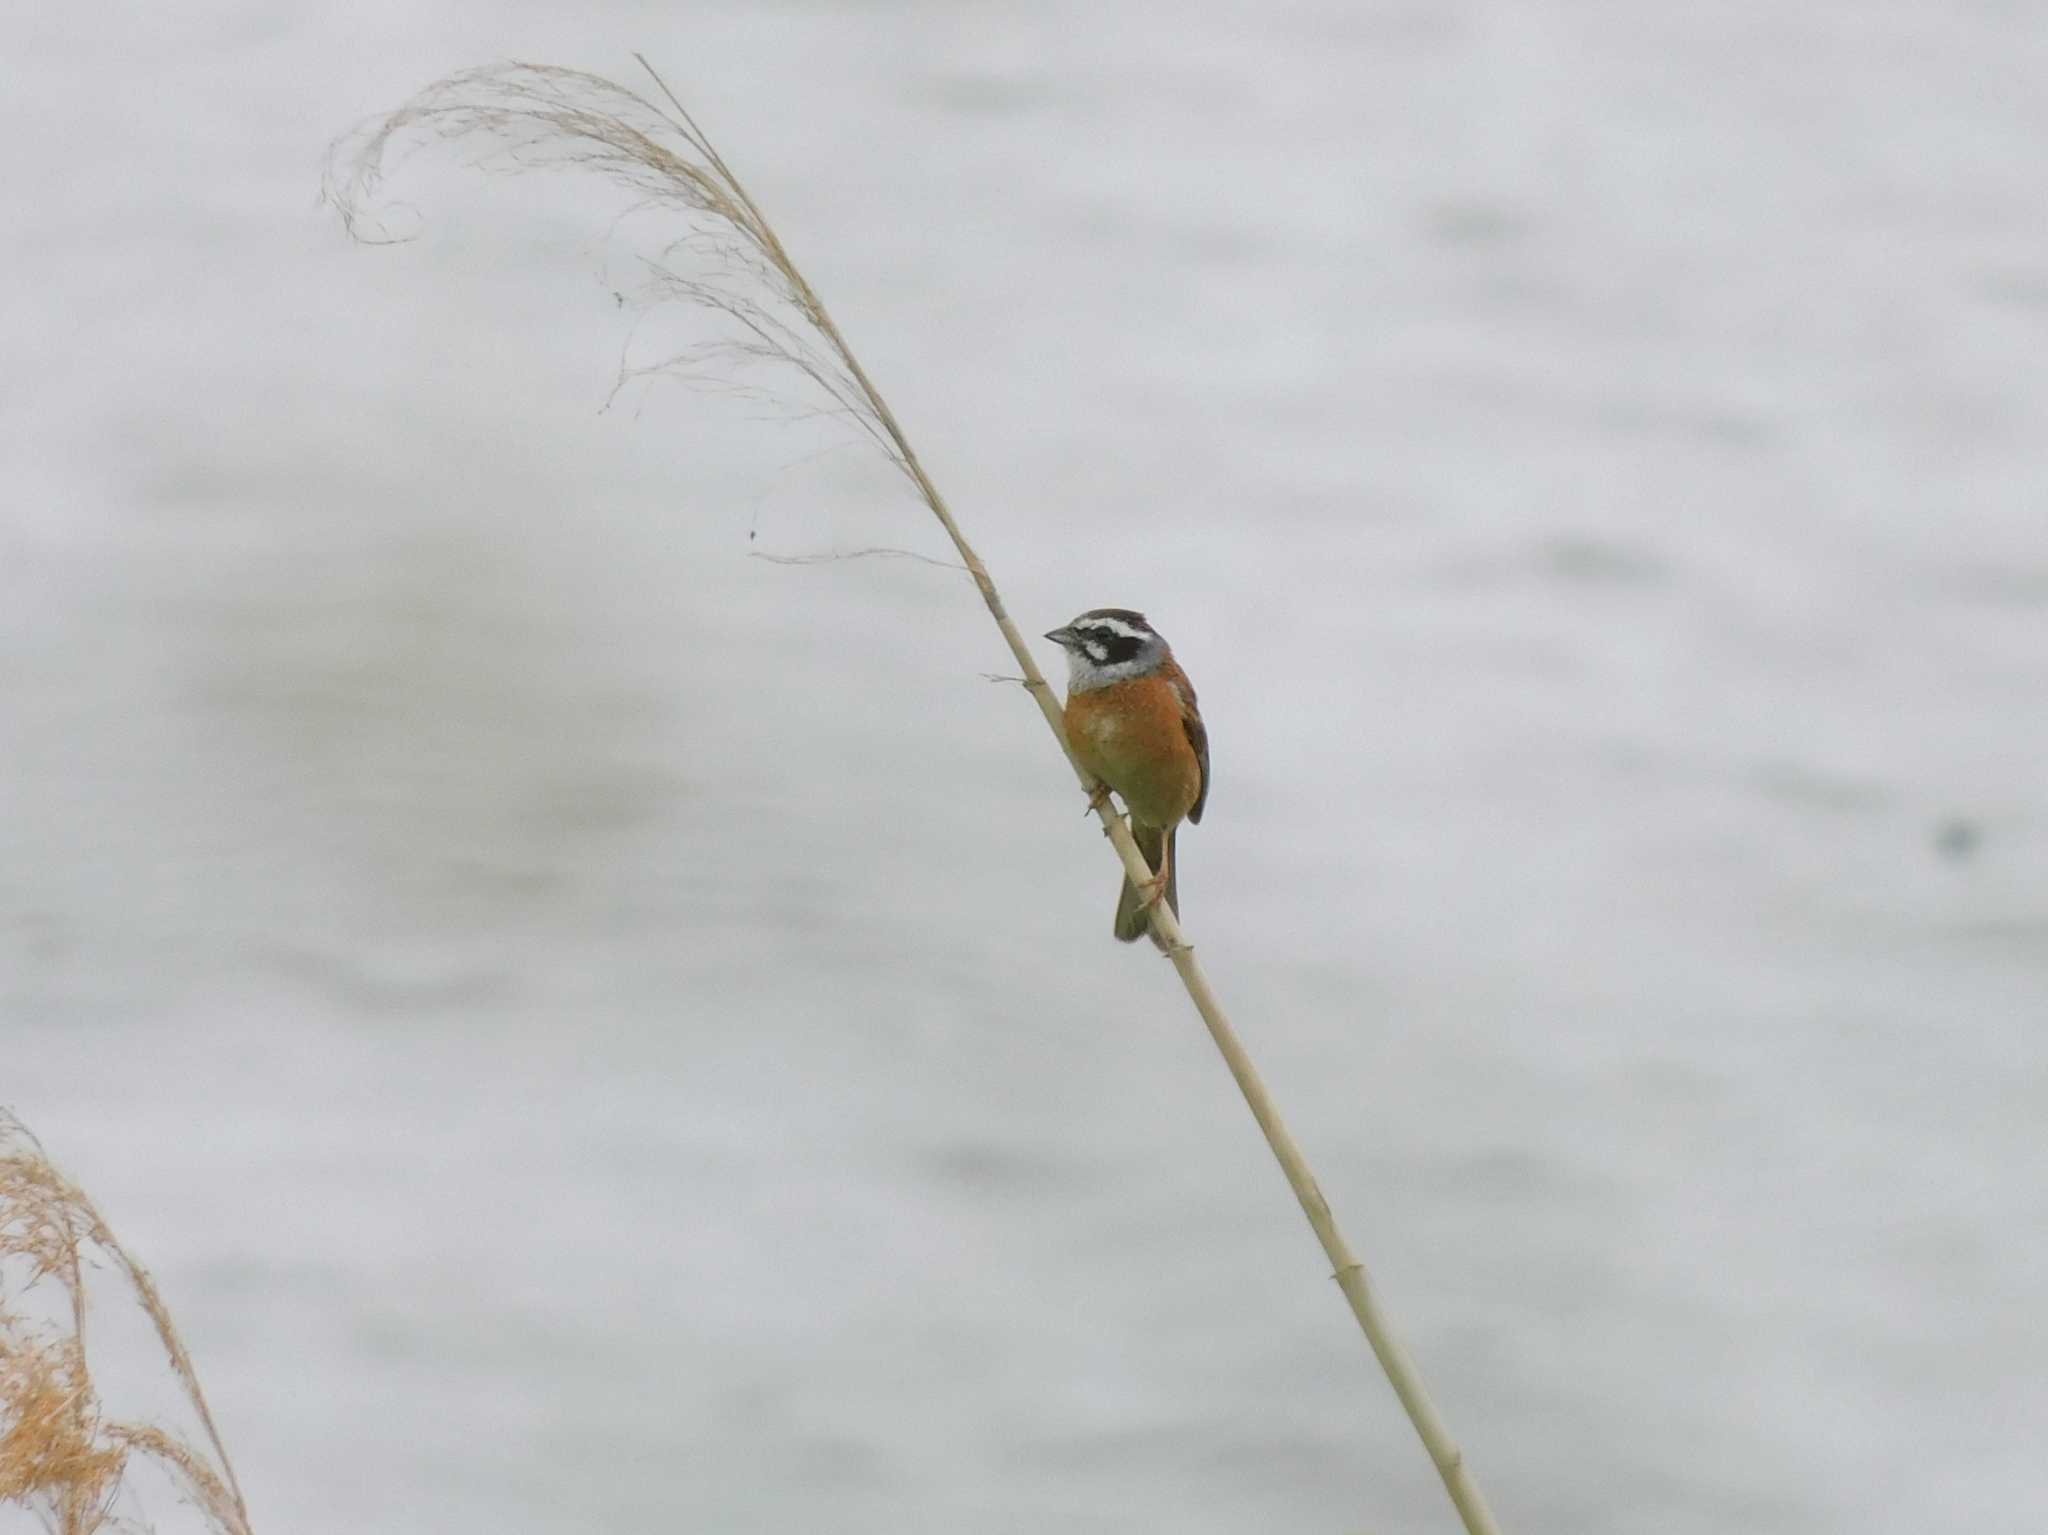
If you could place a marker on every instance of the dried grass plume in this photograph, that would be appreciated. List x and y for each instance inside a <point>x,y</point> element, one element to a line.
<point>61,1455</point>
<point>727,260</point>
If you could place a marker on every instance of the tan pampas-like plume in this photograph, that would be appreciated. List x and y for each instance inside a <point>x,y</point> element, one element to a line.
<point>60,1453</point>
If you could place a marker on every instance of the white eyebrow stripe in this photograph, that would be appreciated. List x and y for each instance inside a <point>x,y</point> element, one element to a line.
<point>1115,626</point>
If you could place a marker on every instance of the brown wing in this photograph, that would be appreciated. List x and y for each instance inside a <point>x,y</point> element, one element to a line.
<point>1198,738</point>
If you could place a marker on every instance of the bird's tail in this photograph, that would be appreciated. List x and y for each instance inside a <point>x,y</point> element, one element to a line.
<point>1133,921</point>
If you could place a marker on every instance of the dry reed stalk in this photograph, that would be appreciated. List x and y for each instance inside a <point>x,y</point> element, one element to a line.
<point>541,116</point>
<point>59,1454</point>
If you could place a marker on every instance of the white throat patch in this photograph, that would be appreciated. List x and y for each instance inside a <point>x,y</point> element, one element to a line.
<point>1085,675</point>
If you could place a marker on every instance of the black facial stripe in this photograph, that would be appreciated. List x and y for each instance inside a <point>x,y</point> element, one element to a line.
<point>1106,647</point>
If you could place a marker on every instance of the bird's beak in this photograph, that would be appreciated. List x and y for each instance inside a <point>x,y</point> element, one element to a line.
<point>1062,636</point>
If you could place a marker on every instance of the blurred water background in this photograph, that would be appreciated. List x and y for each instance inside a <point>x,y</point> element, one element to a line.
<point>596,1031</point>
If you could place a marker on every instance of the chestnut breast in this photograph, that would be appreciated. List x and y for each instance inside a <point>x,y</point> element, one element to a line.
<point>1133,736</point>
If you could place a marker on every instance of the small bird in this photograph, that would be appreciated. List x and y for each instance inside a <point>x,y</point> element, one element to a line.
<point>1132,719</point>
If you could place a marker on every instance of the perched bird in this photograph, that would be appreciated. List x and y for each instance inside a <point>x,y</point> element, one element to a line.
<point>1132,719</point>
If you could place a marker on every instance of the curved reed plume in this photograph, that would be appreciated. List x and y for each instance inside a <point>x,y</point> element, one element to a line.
<point>59,1454</point>
<point>534,116</point>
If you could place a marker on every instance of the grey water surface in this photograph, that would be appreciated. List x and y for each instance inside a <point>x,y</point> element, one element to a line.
<point>593,1030</point>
